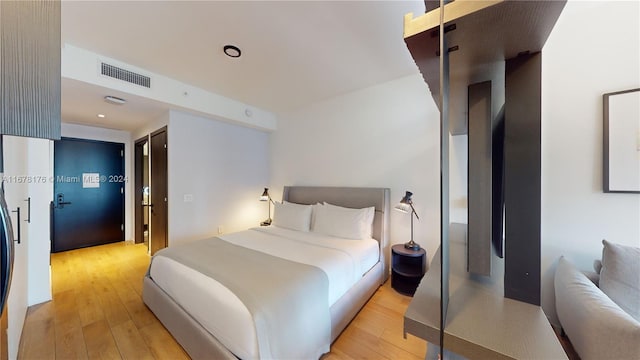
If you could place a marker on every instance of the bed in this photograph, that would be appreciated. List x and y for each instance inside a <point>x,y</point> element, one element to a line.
<point>193,325</point>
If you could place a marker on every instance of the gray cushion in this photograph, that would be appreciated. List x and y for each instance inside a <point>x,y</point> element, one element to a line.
<point>597,327</point>
<point>594,277</point>
<point>620,276</point>
<point>597,266</point>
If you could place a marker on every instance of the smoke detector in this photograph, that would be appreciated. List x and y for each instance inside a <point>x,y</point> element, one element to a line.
<point>114,100</point>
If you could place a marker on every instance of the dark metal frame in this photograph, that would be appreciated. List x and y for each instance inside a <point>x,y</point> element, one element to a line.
<point>605,143</point>
<point>444,176</point>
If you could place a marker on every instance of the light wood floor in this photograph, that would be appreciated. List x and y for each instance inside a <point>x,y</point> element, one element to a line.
<point>97,313</point>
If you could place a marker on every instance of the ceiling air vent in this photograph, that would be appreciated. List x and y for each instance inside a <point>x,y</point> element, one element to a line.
<point>125,75</point>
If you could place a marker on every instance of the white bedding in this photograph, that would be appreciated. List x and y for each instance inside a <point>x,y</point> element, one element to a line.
<point>220,312</point>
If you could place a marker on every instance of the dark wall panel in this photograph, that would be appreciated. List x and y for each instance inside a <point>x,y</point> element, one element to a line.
<point>497,206</point>
<point>522,178</point>
<point>479,179</point>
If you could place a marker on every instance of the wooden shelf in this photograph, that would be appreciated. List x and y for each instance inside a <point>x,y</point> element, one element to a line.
<point>486,33</point>
<point>481,323</point>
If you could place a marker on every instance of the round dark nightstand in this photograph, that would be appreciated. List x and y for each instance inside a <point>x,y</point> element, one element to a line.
<point>407,268</point>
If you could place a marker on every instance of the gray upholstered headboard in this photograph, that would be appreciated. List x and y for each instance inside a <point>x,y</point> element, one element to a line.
<point>351,197</point>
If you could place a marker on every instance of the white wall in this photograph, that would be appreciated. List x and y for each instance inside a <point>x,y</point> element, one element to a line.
<point>386,135</point>
<point>119,136</point>
<point>224,167</point>
<point>593,49</point>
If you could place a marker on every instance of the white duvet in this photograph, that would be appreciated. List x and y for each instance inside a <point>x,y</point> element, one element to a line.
<point>221,313</point>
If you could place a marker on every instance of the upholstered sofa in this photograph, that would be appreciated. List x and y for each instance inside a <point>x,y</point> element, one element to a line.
<point>602,322</point>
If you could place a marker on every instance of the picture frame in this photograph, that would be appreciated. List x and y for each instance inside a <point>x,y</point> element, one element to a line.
<point>621,142</point>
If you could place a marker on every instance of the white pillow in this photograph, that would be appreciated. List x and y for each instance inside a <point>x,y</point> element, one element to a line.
<point>292,216</point>
<point>343,222</point>
<point>367,223</point>
<point>314,210</point>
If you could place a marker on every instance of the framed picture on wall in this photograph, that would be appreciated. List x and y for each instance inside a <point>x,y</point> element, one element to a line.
<point>622,141</point>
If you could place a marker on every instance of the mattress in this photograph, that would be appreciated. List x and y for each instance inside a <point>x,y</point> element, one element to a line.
<point>221,313</point>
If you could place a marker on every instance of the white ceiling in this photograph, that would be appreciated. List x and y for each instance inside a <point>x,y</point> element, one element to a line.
<point>82,102</point>
<point>293,52</point>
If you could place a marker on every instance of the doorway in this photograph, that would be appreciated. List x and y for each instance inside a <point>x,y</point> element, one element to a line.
<point>159,191</point>
<point>151,196</point>
<point>142,196</point>
<point>88,200</point>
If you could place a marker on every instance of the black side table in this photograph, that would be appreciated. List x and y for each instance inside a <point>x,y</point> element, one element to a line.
<point>407,268</point>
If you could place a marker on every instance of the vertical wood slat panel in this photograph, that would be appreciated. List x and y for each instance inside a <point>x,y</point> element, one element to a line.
<point>30,68</point>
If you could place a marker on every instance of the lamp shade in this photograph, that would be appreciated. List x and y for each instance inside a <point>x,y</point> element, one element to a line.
<point>265,195</point>
<point>405,204</point>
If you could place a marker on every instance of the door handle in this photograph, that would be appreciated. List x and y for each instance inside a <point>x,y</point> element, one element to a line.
<point>17,210</point>
<point>28,219</point>
<point>60,203</point>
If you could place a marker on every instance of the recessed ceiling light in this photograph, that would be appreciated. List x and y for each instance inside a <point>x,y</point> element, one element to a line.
<point>101,116</point>
<point>232,51</point>
<point>114,100</point>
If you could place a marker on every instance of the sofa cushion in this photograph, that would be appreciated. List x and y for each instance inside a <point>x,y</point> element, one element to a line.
<point>620,276</point>
<point>597,327</point>
<point>597,266</point>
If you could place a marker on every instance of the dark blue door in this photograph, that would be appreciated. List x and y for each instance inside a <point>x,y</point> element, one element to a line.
<point>88,193</point>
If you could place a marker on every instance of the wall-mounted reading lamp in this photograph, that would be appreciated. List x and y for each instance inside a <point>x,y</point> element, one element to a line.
<point>406,206</point>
